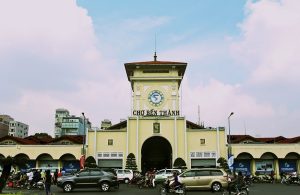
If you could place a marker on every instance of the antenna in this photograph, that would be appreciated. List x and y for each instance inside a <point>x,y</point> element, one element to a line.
<point>155,56</point>
<point>245,128</point>
<point>198,115</point>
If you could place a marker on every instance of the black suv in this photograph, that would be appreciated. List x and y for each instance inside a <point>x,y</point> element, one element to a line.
<point>86,178</point>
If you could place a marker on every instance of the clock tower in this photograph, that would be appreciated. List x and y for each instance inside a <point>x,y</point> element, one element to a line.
<point>155,87</point>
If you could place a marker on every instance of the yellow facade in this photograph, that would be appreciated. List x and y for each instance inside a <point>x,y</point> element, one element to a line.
<point>157,134</point>
<point>156,104</point>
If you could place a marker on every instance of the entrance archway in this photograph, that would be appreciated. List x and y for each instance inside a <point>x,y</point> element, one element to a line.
<point>156,153</point>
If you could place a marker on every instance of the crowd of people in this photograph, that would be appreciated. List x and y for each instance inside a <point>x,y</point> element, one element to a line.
<point>32,177</point>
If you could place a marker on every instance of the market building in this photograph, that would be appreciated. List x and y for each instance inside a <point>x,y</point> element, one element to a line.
<point>157,134</point>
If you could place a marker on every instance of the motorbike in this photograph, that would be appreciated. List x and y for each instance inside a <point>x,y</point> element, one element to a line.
<point>248,180</point>
<point>135,180</point>
<point>262,179</point>
<point>235,190</point>
<point>178,189</point>
<point>292,179</point>
<point>36,185</point>
<point>144,183</point>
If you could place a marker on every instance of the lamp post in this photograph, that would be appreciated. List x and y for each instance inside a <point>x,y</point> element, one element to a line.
<point>229,135</point>
<point>83,136</point>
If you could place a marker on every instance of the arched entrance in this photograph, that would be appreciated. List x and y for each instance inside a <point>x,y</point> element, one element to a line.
<point>156,153</point>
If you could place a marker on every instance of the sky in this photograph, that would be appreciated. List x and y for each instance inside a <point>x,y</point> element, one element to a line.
<point>243,57</point>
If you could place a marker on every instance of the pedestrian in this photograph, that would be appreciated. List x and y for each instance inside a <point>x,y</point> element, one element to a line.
<point>55,176</point>
<point>48,180</point>
<point>272,176</point>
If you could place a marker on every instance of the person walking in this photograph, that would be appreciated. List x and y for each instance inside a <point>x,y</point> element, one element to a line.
<point>48,180</point>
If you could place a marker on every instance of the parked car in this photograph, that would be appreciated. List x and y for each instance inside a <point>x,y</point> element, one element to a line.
<point>163,174</point>
<point>86,178</point>
<point>204,178</point>
<point>124,175</point>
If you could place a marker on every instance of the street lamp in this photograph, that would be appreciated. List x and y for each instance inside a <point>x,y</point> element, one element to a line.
<point>229,135</point>
<point>83,136</point>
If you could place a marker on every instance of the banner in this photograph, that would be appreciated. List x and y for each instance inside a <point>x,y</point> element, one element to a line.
<point>287,165</point>
<point>71,166</point>
<point>29,165</point>
<point>264,166</point>
<point>242,165</point>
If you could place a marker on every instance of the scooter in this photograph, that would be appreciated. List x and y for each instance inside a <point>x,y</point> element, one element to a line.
<point>36,185</point>
<point>292,179</point>
<point>165,189</point>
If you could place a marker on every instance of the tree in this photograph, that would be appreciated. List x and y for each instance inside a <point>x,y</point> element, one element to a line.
<point>223,163</point>
<point>7,164</point>
<point>179,163</point>
<point>131,162</point>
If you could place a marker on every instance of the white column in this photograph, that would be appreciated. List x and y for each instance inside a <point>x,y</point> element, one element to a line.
<point>175,139</point>
<point>218,144</point>
<point>127,136</point>
<point>185,143</point>
<point>95,146</point>
<point>137,141</point>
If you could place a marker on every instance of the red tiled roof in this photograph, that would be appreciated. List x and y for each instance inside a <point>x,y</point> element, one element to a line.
<point>77,139</point>
<point>241,138</point>
<point>33,140</point>
<point>18,140</point>
<point>155,62</point>
<point>279,139</point>
<point>291,140</point>
<point>39,140</point>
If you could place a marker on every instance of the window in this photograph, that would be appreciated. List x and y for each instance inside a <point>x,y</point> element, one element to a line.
<point>216,172</point>
<point>83,173</point>
<point>127,172</point>
<point>189,174</point>
<point>203,173</point>
<point>110,142</point>
<point>202,141</point>
<point>156,128</point>
<point>96,173</point>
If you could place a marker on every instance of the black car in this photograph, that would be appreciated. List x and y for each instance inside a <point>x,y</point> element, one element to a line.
<point>87,178</point>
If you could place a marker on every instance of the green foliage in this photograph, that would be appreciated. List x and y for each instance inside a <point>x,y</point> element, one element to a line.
<point>223,163</point>
<point>131,162</point>
<point>90,165</point>
<point>179,163</point>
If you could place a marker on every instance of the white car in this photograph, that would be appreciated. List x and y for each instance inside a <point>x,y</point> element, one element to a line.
<point>163,174</point>
<point>124,175</point>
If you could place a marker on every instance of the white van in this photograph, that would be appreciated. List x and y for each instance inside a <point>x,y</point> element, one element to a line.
<point>163,174</point>
<point>124,175</point>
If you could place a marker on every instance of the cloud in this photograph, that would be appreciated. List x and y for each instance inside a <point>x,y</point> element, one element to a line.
<point>47,53</point>
<point>269,43</point>
<point>45,50</point>
<point>217,100</point>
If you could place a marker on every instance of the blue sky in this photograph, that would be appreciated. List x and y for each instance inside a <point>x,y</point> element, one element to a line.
<point>242,57</point>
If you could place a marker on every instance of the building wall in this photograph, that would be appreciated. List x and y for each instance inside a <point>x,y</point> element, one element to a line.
<point>214,142</point>
<point>274,153</point>
<point>33,151</point>
<point>18,129</point>
<point>3,129</point>
<point>131,139</point>
<point>257,150</point>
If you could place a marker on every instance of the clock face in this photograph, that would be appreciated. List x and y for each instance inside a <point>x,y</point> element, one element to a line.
<point>156,97</point>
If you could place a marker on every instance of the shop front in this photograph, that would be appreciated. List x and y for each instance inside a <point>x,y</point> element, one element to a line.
<point>264,166</point>
<point>242,166</point>
<point>30,164</point>
<point>287,166</point>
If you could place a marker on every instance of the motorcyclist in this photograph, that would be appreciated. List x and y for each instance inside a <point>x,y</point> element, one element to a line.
<point>176,181</point>
<point>237,183</point>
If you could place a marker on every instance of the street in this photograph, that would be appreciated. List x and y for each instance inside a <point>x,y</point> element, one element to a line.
<point>257,189</point>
